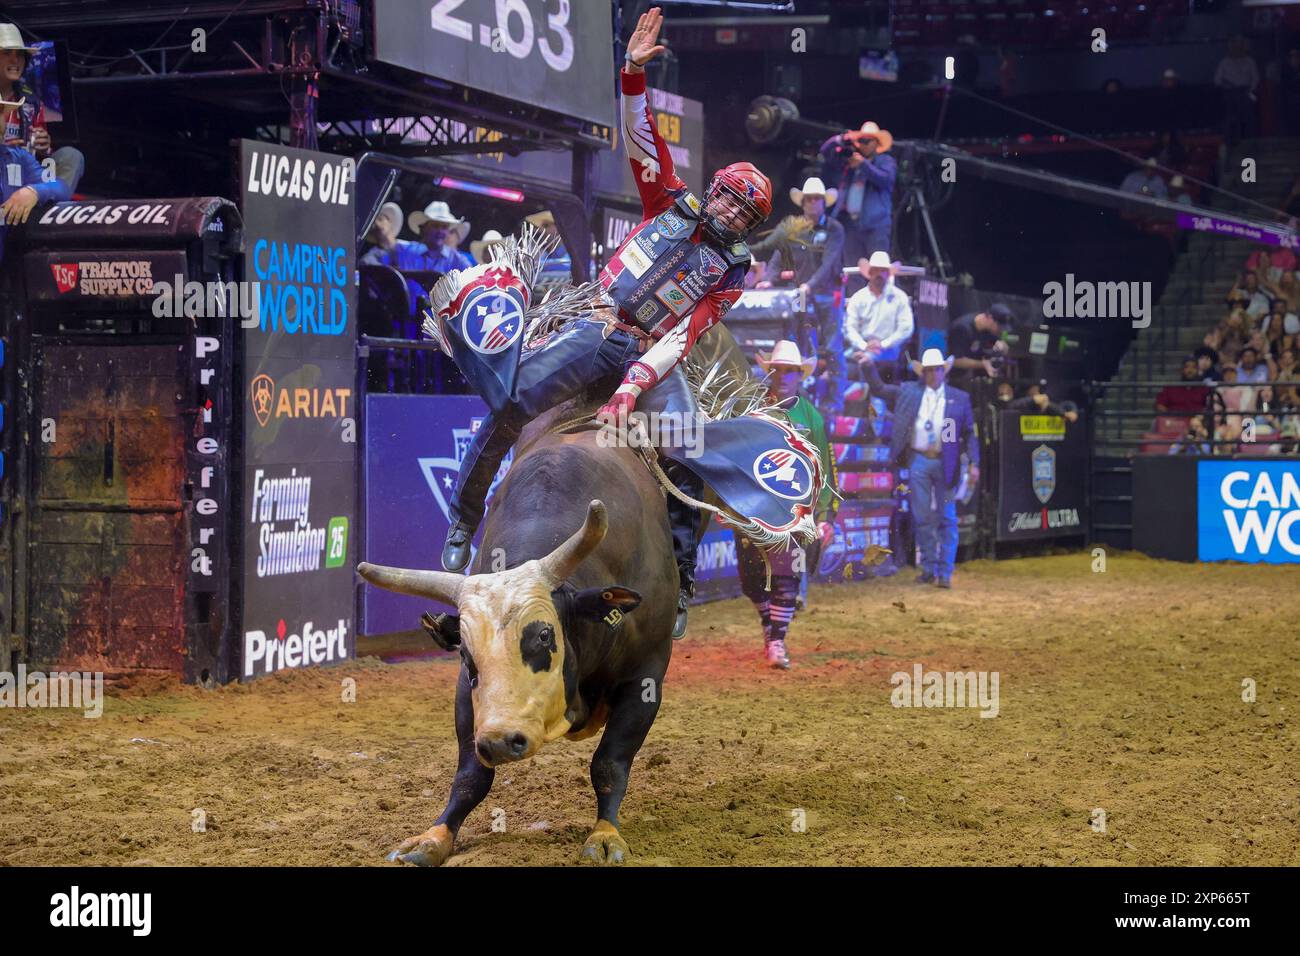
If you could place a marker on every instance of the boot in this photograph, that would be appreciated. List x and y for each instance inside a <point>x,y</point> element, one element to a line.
<point>683,602</point>
<point>455,553</point>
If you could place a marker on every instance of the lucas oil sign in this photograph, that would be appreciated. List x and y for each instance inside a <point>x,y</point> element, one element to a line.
<point>1248,511</point>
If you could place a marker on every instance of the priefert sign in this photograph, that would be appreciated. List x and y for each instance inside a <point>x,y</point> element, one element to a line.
<point>266,654</point>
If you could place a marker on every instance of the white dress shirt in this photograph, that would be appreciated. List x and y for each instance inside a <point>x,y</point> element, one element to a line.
<point>887,317</point>
<point>933,405</point>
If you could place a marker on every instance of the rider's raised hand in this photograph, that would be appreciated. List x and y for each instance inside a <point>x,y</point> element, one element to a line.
<point>644,44</point>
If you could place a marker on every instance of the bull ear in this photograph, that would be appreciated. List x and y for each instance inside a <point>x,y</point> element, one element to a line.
<point>596,603</point>
<point>444,629</point>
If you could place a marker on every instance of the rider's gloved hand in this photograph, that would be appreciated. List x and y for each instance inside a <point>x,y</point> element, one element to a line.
<point>617,408</point>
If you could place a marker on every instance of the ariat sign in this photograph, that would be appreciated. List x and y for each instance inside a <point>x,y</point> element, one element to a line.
<point>266,654</point>
<point>1248,511</point>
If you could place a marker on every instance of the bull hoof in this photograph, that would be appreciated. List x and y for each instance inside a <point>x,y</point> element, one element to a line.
<point>430,848</point>
<point>605,845</point>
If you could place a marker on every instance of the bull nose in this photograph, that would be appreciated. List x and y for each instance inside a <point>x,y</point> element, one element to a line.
<point>496,748</point>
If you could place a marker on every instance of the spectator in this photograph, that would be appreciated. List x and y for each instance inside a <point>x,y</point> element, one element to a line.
<point>878,318</point>
<point>558,267</point>
<point>860,163</point>
<point>1207,364</point>
<point>1287,290</point>
<point>1257,303</point>
<point>1145,181</point>
<point>23,189</point>
<point>1169,79</point>
<point>480,250</point>
<point>386,249</point>
<point>433,225</point>
<point>1237,76</point>
<point>809,247</point>
<point>24,124</point>
<point>933,426</point>
<point>1230,336</point>
<point>1178,192</point>
<point>1232,399</point>
<point>1191,397</point>
<point>1195,440</point>
<point>1287,369</point>
<point>1282,259</point>
<point>1250,370</point>
<point>975,342</point>
<point>1169,151</point>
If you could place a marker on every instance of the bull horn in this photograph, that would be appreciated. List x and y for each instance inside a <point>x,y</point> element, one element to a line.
<point>564,560</point>
<point>439,585</point>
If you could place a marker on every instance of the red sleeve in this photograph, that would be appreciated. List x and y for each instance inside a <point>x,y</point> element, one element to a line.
<point>648,154</point>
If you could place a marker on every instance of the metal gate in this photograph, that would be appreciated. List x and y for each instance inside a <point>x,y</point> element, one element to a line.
<point>106,541</point>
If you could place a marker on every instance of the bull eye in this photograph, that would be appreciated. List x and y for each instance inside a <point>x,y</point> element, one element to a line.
<point>537,644</point>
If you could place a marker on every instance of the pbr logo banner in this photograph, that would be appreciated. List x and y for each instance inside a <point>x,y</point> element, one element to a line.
<point>1043,463</point>
<point>1248,511</point>
<point>759,469</point>
<point>298,355</point>
<point>414,447</point>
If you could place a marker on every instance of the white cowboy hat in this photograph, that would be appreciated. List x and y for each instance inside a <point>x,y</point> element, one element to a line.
<point>390,210</point>
<point>479,247</point>
<point>883,137</point>
<point>813,187</point>
<point>933,358</point>
<point>437,211</point>
<point>785,354</point>
<point>879,260</point>
<point>11,38</point>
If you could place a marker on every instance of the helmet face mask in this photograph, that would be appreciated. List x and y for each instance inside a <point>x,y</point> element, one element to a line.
<point>738,200</point>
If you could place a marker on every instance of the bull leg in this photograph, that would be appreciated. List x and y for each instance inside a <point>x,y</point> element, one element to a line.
<point>630,717</point>
<point>471,785</point>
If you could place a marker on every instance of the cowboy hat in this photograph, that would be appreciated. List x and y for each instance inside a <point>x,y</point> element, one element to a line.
<point>390,210</point>
<point>785,354</point>
<point>879,260</point>
<point>439,212</point>
<point>933,358</point>
<point>11,38</point>
<point>883,137</point>
<point>813,187</point>
<point>479,247</point>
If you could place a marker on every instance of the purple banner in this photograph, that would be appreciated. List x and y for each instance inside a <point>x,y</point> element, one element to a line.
<point>1272,236</point>
<point>414,447</point>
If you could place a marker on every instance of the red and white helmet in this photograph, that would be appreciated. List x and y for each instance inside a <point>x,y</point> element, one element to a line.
<point>743,187</point>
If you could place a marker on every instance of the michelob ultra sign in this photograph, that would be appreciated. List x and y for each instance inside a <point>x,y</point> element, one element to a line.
<point>1248,511</point>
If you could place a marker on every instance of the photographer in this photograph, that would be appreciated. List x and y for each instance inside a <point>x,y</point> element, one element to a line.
<point>975,342</point>
<point>857,160</point>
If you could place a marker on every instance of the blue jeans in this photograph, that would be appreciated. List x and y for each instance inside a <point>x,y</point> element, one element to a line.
<point>934,507</point>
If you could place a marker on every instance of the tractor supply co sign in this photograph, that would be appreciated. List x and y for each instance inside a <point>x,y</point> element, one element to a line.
<point>52,276</point>
<point>300,426</point>
<point>1248,511</point>
<point>555,54</point>
<point>1043,464</point>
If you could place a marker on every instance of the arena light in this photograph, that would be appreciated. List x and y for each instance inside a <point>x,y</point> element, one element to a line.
<point>949,67</point>
<point>496,192</point>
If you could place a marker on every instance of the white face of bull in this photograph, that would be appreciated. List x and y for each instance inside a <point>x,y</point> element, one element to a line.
<point>512,638</point>
<point>512,645</point>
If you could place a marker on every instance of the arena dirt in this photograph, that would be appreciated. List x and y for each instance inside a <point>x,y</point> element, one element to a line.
<point>1119,691</point>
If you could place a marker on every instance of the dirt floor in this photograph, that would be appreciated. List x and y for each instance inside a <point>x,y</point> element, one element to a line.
<point>1118,691</point>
